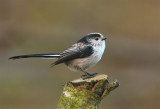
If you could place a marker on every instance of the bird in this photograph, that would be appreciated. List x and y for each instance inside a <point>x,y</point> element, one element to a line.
<point>80,56</point>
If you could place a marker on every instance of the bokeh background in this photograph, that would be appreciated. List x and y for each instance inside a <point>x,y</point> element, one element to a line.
<point>46,26</point>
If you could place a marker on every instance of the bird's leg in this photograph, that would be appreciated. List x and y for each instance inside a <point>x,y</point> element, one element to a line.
<point>88,75</point>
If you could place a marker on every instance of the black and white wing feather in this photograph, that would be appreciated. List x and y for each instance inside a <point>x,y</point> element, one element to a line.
<point>73,53</point>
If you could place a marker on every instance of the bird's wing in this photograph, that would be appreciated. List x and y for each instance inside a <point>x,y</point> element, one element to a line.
<point>73,53</point>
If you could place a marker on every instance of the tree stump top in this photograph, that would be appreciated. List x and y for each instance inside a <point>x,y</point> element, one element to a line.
<point>86,94</point>
<point>96,78</point>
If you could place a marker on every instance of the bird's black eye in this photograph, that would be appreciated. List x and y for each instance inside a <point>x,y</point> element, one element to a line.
<point>97,38</point>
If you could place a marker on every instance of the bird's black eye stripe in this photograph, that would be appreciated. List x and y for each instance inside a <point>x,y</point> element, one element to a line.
<point>96,38</point>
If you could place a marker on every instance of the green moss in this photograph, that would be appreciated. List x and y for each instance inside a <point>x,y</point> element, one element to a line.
<point>100,84</point>
<point>85,94</point>
<point>78,98</point>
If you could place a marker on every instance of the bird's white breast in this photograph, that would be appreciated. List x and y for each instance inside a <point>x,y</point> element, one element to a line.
<point>85,63</point>
<point>98,52</point>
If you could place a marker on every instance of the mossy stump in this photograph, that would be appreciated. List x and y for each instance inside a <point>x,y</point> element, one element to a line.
<point>86,94</point>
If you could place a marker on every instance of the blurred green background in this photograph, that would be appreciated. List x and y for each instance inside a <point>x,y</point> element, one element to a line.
<point>46,26</point>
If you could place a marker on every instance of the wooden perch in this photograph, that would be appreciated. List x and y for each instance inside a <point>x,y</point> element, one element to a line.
<point>86,94</point>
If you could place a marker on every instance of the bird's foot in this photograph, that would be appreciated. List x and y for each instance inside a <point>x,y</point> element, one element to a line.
<point>88,75</point>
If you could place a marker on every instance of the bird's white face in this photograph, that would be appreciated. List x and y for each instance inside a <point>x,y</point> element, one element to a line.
<point>97,40</point>
<point>98,43</point>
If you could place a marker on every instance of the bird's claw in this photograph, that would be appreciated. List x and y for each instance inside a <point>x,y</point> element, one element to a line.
<point>88,75</point>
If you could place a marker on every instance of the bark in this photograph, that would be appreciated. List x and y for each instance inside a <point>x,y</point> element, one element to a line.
<point>86,94</point>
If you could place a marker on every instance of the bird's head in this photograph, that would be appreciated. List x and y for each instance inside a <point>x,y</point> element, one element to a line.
<point>93,39</point>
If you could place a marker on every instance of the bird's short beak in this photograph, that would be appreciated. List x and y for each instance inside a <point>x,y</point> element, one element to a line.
<point>104,38</point>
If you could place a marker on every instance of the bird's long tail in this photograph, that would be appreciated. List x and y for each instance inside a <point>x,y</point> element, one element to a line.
<point>49,55</point>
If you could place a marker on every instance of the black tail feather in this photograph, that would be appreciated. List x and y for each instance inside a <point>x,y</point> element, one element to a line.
<point>50,55</point>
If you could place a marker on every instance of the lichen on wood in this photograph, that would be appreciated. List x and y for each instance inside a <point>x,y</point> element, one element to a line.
<point>86,94</point>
